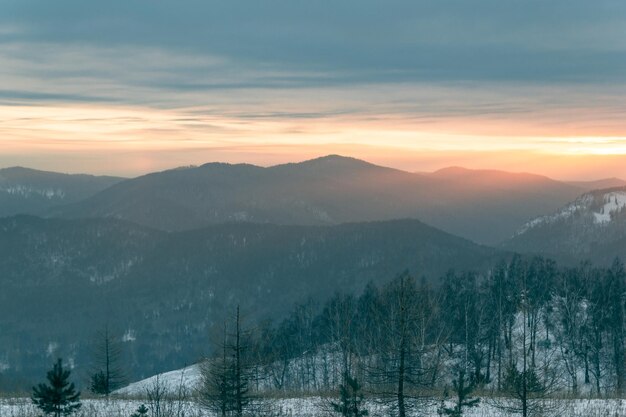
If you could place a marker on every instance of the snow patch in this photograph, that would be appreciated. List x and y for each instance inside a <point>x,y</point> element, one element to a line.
<point>188,377</point>
<point>27,191</point>
<point>52,347</point>
<point>129,336</point>
<point>614,202</point>
<point>119,270</point>
<point>240,216</point>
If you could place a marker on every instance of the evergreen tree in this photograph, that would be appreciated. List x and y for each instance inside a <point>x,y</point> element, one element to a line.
<point>216,391</point>
<point>142,411</point>
<point>526,388</point>
<point>350,399</point>
<point>463,396</point>
<point>58,397</point>
<point>225,384</point>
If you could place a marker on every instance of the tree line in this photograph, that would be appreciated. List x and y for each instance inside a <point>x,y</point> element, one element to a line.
<point>516,335</point>
<point>525,331</point>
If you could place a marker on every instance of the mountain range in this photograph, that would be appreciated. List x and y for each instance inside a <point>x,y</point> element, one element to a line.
<point>484,206</point>
<point>164,257</point>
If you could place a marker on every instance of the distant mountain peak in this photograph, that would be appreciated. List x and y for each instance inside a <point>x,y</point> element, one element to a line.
<point>18,169</point>
<point>336,160</point>
<point>452,170</point>
<point>600,184</point>
<point>458,171</point>
<point>331,165</point>
<point>21,170</point>
<point>223,164</point>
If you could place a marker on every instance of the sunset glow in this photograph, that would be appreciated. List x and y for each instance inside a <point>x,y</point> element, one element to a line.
<point>87,137</point>
<point>95,102</point>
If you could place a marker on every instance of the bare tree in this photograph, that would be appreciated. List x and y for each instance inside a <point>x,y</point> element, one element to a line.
<point>528,386</point>
<point>615,283</point>
<point>157,395</point>
<point>597,329</point>
<point>338,322</point>
<point>108,373</point>
<point>400,368</point>
<point>571,315</point>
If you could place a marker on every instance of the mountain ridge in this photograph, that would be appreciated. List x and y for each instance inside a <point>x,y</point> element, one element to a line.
<point>326,190</point>
<point>30,191</point>
<point>90,272</point>
<point>593,227</point>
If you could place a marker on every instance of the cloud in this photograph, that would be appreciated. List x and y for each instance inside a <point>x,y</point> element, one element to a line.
<point>355,41</point>
<point>436,75</point>
<point>203,45</point>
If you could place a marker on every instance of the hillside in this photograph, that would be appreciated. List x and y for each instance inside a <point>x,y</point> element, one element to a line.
<point>599,184</point>
<point>29,191</point>
<point>63,279</point>
<point>484,206</point>
<point>591,227</point>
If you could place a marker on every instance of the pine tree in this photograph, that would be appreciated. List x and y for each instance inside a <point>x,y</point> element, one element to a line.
<point>142,411</point>
<point>98,384</point>
<point>463,396</point>
<point>225,383</point>
<point>350,399</point>
<point>216,391</point>
<point>59,396</point>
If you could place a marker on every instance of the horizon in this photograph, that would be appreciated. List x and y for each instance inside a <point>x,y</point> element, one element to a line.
<point>418,172</point>
<point>140,87</point>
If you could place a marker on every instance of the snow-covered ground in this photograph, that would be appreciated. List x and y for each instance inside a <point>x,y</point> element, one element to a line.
<point>188,378</point>
<point>306,407</point>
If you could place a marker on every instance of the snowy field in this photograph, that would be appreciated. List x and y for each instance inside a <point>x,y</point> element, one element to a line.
<point>301,407</point>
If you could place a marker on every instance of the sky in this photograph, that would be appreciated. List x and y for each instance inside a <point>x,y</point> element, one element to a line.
<point>127,87</point>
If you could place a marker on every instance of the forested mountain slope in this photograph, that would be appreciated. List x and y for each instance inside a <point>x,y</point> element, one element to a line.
<point>484,206</point>
<point>29,191</point>
<point>63,279</point>
<point>591,227</point>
